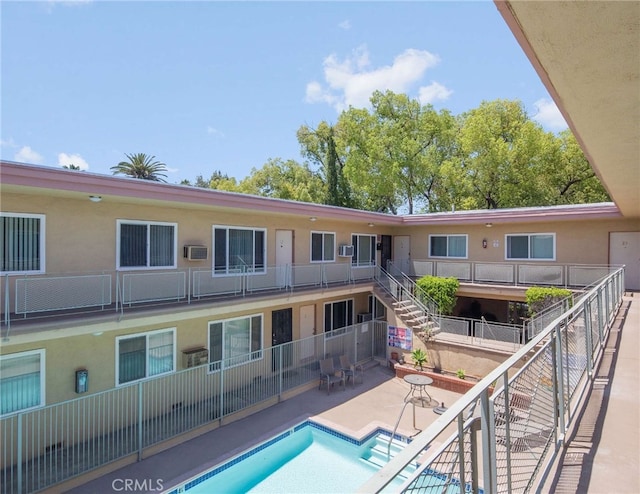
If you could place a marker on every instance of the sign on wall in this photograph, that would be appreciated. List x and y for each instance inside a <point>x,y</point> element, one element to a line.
<point>400,337</point>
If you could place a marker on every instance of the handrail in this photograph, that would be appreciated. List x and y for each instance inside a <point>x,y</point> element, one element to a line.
<point>550,349</point>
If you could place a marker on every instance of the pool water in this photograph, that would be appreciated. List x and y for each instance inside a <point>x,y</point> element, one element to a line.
<point>308,459</point>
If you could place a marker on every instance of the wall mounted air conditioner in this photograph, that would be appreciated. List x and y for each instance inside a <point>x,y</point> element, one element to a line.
<point>345,251</point>
<point>196,252</point>
<point>364,317</point>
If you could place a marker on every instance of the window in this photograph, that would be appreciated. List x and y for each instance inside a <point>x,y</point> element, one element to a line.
<point>145,355</point>
<point>364,250</point>
<point>146,244</point>
<point>454,246</point>
<point>22,245</point>
<point>235,341</point>
<point>376,308</point>
<point>323,246</point>
<point>21,381</point>
<point>238,250</point>
<point>338,315</point>
<point>531,246</point>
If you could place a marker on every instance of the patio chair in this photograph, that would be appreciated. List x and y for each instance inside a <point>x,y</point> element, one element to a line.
<point>330,375</point>
<point>350,370</point>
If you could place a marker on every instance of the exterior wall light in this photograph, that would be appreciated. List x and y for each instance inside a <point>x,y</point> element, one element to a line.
<point>488,225</point>
<point>313,218</point>
<point>95,198</point>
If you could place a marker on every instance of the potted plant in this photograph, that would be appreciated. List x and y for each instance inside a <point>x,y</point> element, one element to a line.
<point>419,357</point>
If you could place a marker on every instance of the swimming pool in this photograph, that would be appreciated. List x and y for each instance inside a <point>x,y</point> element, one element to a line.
<point>308,458</point>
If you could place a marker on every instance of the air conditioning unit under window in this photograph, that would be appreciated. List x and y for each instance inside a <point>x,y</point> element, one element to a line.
<point>196,252</point>
<point>345,251</point>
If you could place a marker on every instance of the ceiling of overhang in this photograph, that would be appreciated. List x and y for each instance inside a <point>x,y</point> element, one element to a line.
<point>588,56</point>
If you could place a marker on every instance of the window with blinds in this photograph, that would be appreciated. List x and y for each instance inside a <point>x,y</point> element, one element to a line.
<point>453,246</point>
<point>21,381</point>
<point>145,355</point>
<point>531,246</point>
<point>239,250</point>
<point>22,243</point>
<point>235,341</point>
<point>323,246</point>
<point>146,244</point>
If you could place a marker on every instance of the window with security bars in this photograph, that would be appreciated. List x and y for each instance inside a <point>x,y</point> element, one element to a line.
<point>22,243</point>
<point>531,246</point>
<point>146,245</point>
<point>364,250</point>
<point>452,246</point>
<point>145,355</point>
<point>21,381</point>
<point>323,246</point>
<point>235,341</point>
<point>238,250</point>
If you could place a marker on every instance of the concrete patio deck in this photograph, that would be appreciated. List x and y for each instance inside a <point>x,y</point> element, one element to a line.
<point>601,455</point>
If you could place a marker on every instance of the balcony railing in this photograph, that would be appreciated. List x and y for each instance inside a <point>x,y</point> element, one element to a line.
<point>503,444</point>
<point>527,274</point>
<point>30,296</point>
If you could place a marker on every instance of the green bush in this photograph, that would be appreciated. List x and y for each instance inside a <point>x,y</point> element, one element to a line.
<point>419,357</point>
<point>540,298</point>
<point>441,290</point>
<point>461,373</point>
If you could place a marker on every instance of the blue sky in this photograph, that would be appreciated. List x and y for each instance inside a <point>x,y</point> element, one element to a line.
<point>207,86</point>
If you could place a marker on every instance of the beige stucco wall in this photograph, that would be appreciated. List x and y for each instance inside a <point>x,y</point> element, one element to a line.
<point>577,242</point>
<point>81,235</point>
<point>92,345</point>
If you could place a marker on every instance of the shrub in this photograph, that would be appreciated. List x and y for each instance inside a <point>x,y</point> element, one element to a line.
<point>461,373</point>
<point>540,298</point>
<point>419,357</point>
<point>441,290</point>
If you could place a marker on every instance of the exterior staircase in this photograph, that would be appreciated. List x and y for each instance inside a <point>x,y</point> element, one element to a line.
<point>420,314</point>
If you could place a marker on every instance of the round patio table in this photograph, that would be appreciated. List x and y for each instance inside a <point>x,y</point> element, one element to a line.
<point>418,384</point>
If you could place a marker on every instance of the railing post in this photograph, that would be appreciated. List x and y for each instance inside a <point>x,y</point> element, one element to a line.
<point>7,304</point>
<point>140,435</point>
<point>588,339</point>
<point>19,462</point>
<point>557,364</point>
<point>489,468</point>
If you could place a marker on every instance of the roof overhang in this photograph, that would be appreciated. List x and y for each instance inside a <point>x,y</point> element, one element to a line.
<point>587,54</point>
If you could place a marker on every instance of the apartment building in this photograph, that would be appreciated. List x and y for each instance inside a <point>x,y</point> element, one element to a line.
<point>111,280</point>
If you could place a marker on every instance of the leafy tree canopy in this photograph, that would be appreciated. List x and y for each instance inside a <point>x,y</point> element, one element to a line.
<point>142,166</point>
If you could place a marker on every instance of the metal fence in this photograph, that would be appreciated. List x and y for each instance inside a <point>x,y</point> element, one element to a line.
<point>523,413</point>
<point>43,447</point>
<point>43,295</point>
<point>560,275</point>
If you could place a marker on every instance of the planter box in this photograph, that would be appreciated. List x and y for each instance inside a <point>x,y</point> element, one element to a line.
<point>443,381</point>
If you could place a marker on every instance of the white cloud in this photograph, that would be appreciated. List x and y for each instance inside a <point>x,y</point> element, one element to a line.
<point>346,25</point>
<point>548,115</point>
<point>432,92</point>
<point>214,132</point>
<point>352,81</point>
<point>65,159</point>
<point>28,155</point>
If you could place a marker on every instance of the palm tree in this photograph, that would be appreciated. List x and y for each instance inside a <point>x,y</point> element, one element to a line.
<point>141,166</point>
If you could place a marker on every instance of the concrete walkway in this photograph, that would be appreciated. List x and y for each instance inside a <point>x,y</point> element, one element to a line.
<point>602,454</point>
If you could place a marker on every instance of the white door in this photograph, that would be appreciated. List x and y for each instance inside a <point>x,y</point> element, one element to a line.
<point>624,248</point>
<point>402,252</point>
<point>307,329</point>
<point>284,255</point>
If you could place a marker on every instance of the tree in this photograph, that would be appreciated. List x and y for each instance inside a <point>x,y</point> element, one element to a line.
<point>284,180</point>
<point>570,178</point>
<point>395,151</point>
<point>141,166</point>
<point>71,167</point>
<point>320,146</point>
<point>502,154</point>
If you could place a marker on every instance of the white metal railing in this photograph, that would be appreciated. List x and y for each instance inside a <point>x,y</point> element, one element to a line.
<point>522,423</point>
<point>42,447</point>
<point>44,295</point>
<point>529,273</point>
